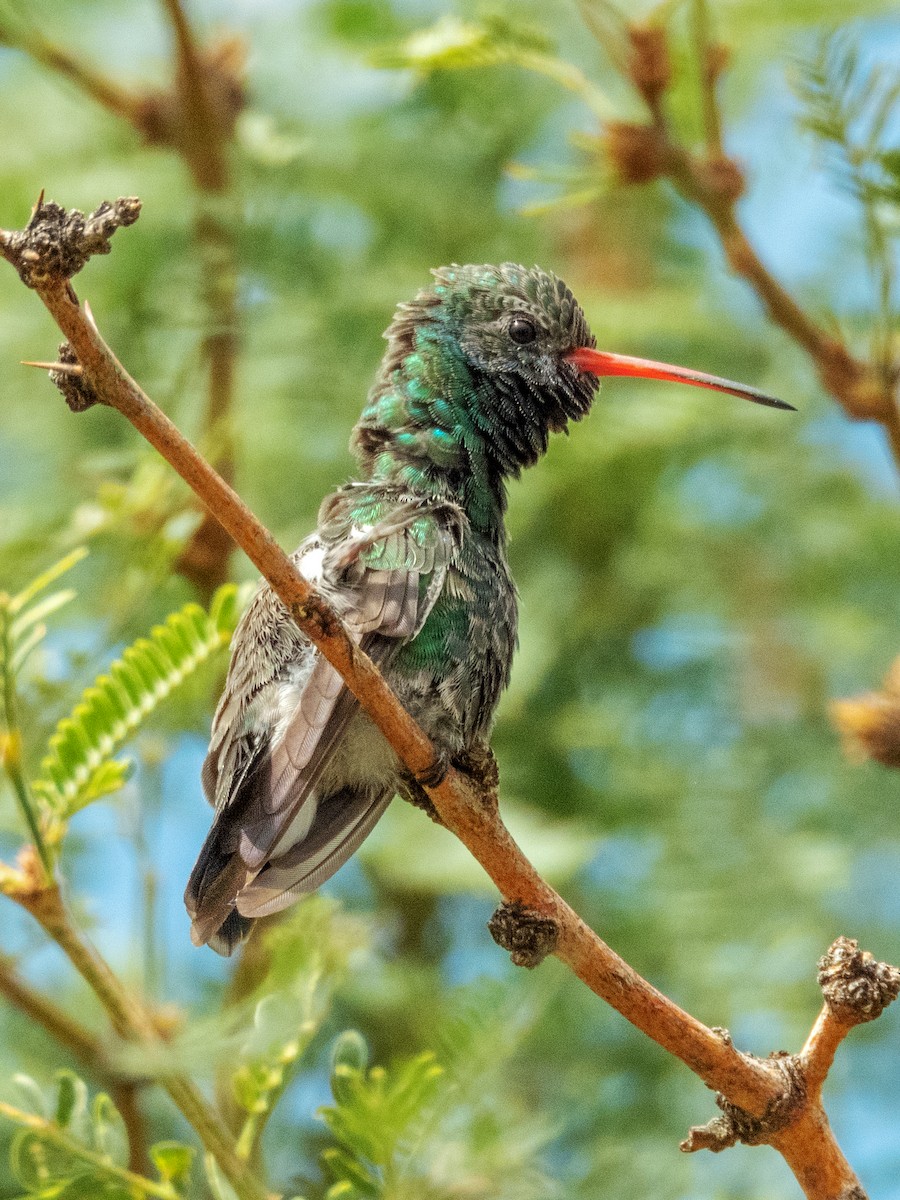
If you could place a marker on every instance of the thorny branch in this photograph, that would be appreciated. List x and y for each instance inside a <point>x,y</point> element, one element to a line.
<point>775,1100</point>
<point>714,182</point>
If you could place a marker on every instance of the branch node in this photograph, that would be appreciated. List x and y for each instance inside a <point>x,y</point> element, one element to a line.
<point>857,988</point>
<point>737,1125</point>
<point>638,152</point>
<point>76,390</point>
<point>649,61</point>
<point>721,177</point>
<point>56,243</point>
<point>480,765</point>
<point>870,724</point>
<point>529,936</point>
<point>716,1135</point>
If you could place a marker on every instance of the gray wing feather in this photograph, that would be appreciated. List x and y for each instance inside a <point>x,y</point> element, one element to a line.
<point>262,781</point>
<point>309,864</point>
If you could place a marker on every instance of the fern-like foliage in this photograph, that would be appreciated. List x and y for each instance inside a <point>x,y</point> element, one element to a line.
<point>851,108</point>
<point>80,766</point>
<point>374,1110</point>
<point>81,1151</point>
<point>23,617</point>
<point>452,44</point>
<point>427,1124</point>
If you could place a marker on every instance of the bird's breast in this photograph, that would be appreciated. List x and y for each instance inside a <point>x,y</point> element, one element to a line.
<point>451,675</point>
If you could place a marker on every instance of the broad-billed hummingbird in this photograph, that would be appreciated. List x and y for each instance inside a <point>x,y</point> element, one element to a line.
<point>480,369</point>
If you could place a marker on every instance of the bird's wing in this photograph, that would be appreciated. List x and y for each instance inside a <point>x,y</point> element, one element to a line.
<point>285,708</point>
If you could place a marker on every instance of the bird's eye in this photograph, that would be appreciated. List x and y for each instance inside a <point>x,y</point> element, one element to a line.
<point>522,330</point>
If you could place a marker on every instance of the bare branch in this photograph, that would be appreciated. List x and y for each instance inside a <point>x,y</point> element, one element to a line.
<point>867,391</point>
<point>856,989</point>
<point>56,244</point>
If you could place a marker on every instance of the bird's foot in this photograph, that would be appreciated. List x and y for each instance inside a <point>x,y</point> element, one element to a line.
<point>480,765</point>
<point>411,790</point>
<point>529,936</point>
<point>434,774</point>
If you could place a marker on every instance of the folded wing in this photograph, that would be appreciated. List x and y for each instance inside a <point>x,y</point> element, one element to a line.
<point>294,794</point>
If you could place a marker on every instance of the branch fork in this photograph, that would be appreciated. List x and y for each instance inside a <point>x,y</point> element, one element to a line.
<point>642,151</point>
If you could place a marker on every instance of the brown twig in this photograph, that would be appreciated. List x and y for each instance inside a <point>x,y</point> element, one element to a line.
<point>766,1101</point>
<point>195,117</point>
<point>641,152</point>
<point>106,92</point>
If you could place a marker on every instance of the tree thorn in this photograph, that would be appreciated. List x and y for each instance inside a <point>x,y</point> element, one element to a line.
<point>62,367</point>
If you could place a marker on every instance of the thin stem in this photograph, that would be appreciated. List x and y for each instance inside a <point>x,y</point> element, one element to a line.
<point>53,1133</point>
<point>11,747</point>
<point>90,1049</point>
<point>76,1037</point>
<point>56,58</point>
<point>569,77</point>
<point>709,73</point>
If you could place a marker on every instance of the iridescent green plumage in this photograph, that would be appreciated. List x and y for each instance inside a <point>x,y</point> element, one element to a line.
<point>474,380</point>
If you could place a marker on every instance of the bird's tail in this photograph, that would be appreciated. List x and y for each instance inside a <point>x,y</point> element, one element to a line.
<point>210,897</point>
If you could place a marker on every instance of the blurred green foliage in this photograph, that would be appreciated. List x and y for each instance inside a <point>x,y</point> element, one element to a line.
<point>699,578</point>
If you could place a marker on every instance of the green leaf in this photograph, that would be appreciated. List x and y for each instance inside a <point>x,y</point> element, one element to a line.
<point>24,598</point>
<point>72,1101</point>
<point>218,1184</point>
<point>354,1178</point>
<point>32,1093</point>
<point>451,44</point>
<point>95,1187</point>
<point>173,1161</point>
<point>109,1135</point>
<point>375,1108</point>
<point>79,767</point>
<point>40,612</point>
<point>37,1163</point>
<point>349,1058</point>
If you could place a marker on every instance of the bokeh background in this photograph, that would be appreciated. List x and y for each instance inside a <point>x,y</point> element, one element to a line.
<point>699,577</point>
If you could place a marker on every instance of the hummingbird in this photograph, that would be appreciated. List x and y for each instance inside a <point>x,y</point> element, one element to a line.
<point>480,368</point>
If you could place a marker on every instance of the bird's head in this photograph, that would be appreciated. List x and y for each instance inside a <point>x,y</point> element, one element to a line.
<point>514,328</point>
<point>489,361</point>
